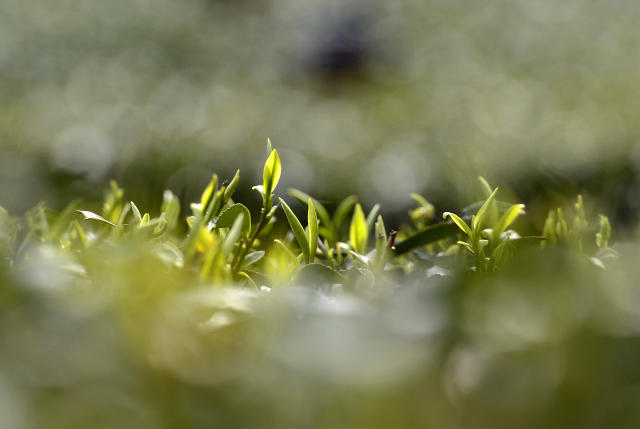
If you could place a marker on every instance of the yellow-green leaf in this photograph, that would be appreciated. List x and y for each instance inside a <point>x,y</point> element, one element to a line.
<point>358,230</point>
<point>459,221</point>
<point>507,219</point>
<point>298,230</point>
<point>271,172</point>
<point>482,212</point>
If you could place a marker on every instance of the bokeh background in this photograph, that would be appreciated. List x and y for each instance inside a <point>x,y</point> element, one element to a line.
<point>378,98</point>
<point>370,97</point>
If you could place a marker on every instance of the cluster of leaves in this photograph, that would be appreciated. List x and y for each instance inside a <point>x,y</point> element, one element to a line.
<point>226,244</point>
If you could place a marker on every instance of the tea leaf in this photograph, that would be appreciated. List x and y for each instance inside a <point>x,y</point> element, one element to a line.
<point>312,220</point>
<point>371,217</point>
<point>229,215</point>
<point>429,235</point>
<point>480,216</point>
<point>205,199</point>
<point>458,221</point>
<point>358,231</point>
<point>171,208</point>
<point>343,210</point>
<point>252,258</point>
<point>507,219</point>
<point>233,185</point>
<point>94,216</point>
<point>269,146</point>
<point>322,212</point>
<point>381,244</point>
<point>136,213</point>
<point>271,175</point>
<point>298,230</point>
<point>234,233</point>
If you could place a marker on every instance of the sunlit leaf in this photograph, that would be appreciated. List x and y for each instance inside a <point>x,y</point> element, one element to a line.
<point>207,194</point>
<point>136,213</point>
<point>297,229</point>
<point>507,219</point>
<point>271,173</point>
<point>460,222</point>
<point>482,213</point>
<point>94,216</point>
<point>358,231</point>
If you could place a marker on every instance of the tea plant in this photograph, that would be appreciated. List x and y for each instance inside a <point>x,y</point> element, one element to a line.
<point>225,243</point>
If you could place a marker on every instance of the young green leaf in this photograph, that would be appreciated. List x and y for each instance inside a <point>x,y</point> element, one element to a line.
<point>343,210</point>
<point>231,188</point>
<point>371,217</point>
<point>322,212</point>
<point>312,220</point>
<point>507,219</point>
<point>205,199</point>
<point>145,220</point>
<point>493,207</point>
<point>358,231</point>
<point>424,213</point>
<point>269,146</point>
<point>298,230</point>
<point>458,221</point>
<point>113,203</point>
<point>467,245</point>
<point>429,235</point>
<point>229,215</point>
<point>271,175</point>
<point>94,216</point>
<point>171,209</point>
<point>252,258</point>
<point>479,219</point>
<point>234,233</point>
<point>249,280</point>
<point>488,190</point>
<point>381,244</point>
<point>136,213</point>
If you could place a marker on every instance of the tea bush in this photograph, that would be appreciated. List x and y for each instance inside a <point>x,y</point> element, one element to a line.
<point>117,317</point>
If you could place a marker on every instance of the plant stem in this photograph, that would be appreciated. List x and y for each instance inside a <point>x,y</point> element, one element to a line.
<point>244,250</point>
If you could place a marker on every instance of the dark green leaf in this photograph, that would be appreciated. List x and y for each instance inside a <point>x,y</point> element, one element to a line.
<point>427,236</point>
<point>229,215</point>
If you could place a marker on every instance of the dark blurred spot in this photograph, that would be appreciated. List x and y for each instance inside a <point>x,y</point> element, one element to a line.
<point>343,49</point>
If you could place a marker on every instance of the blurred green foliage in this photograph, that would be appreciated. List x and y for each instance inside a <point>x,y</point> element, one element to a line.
<point>534,95</point>
<point>121,318</point>
<point>122,314</point>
